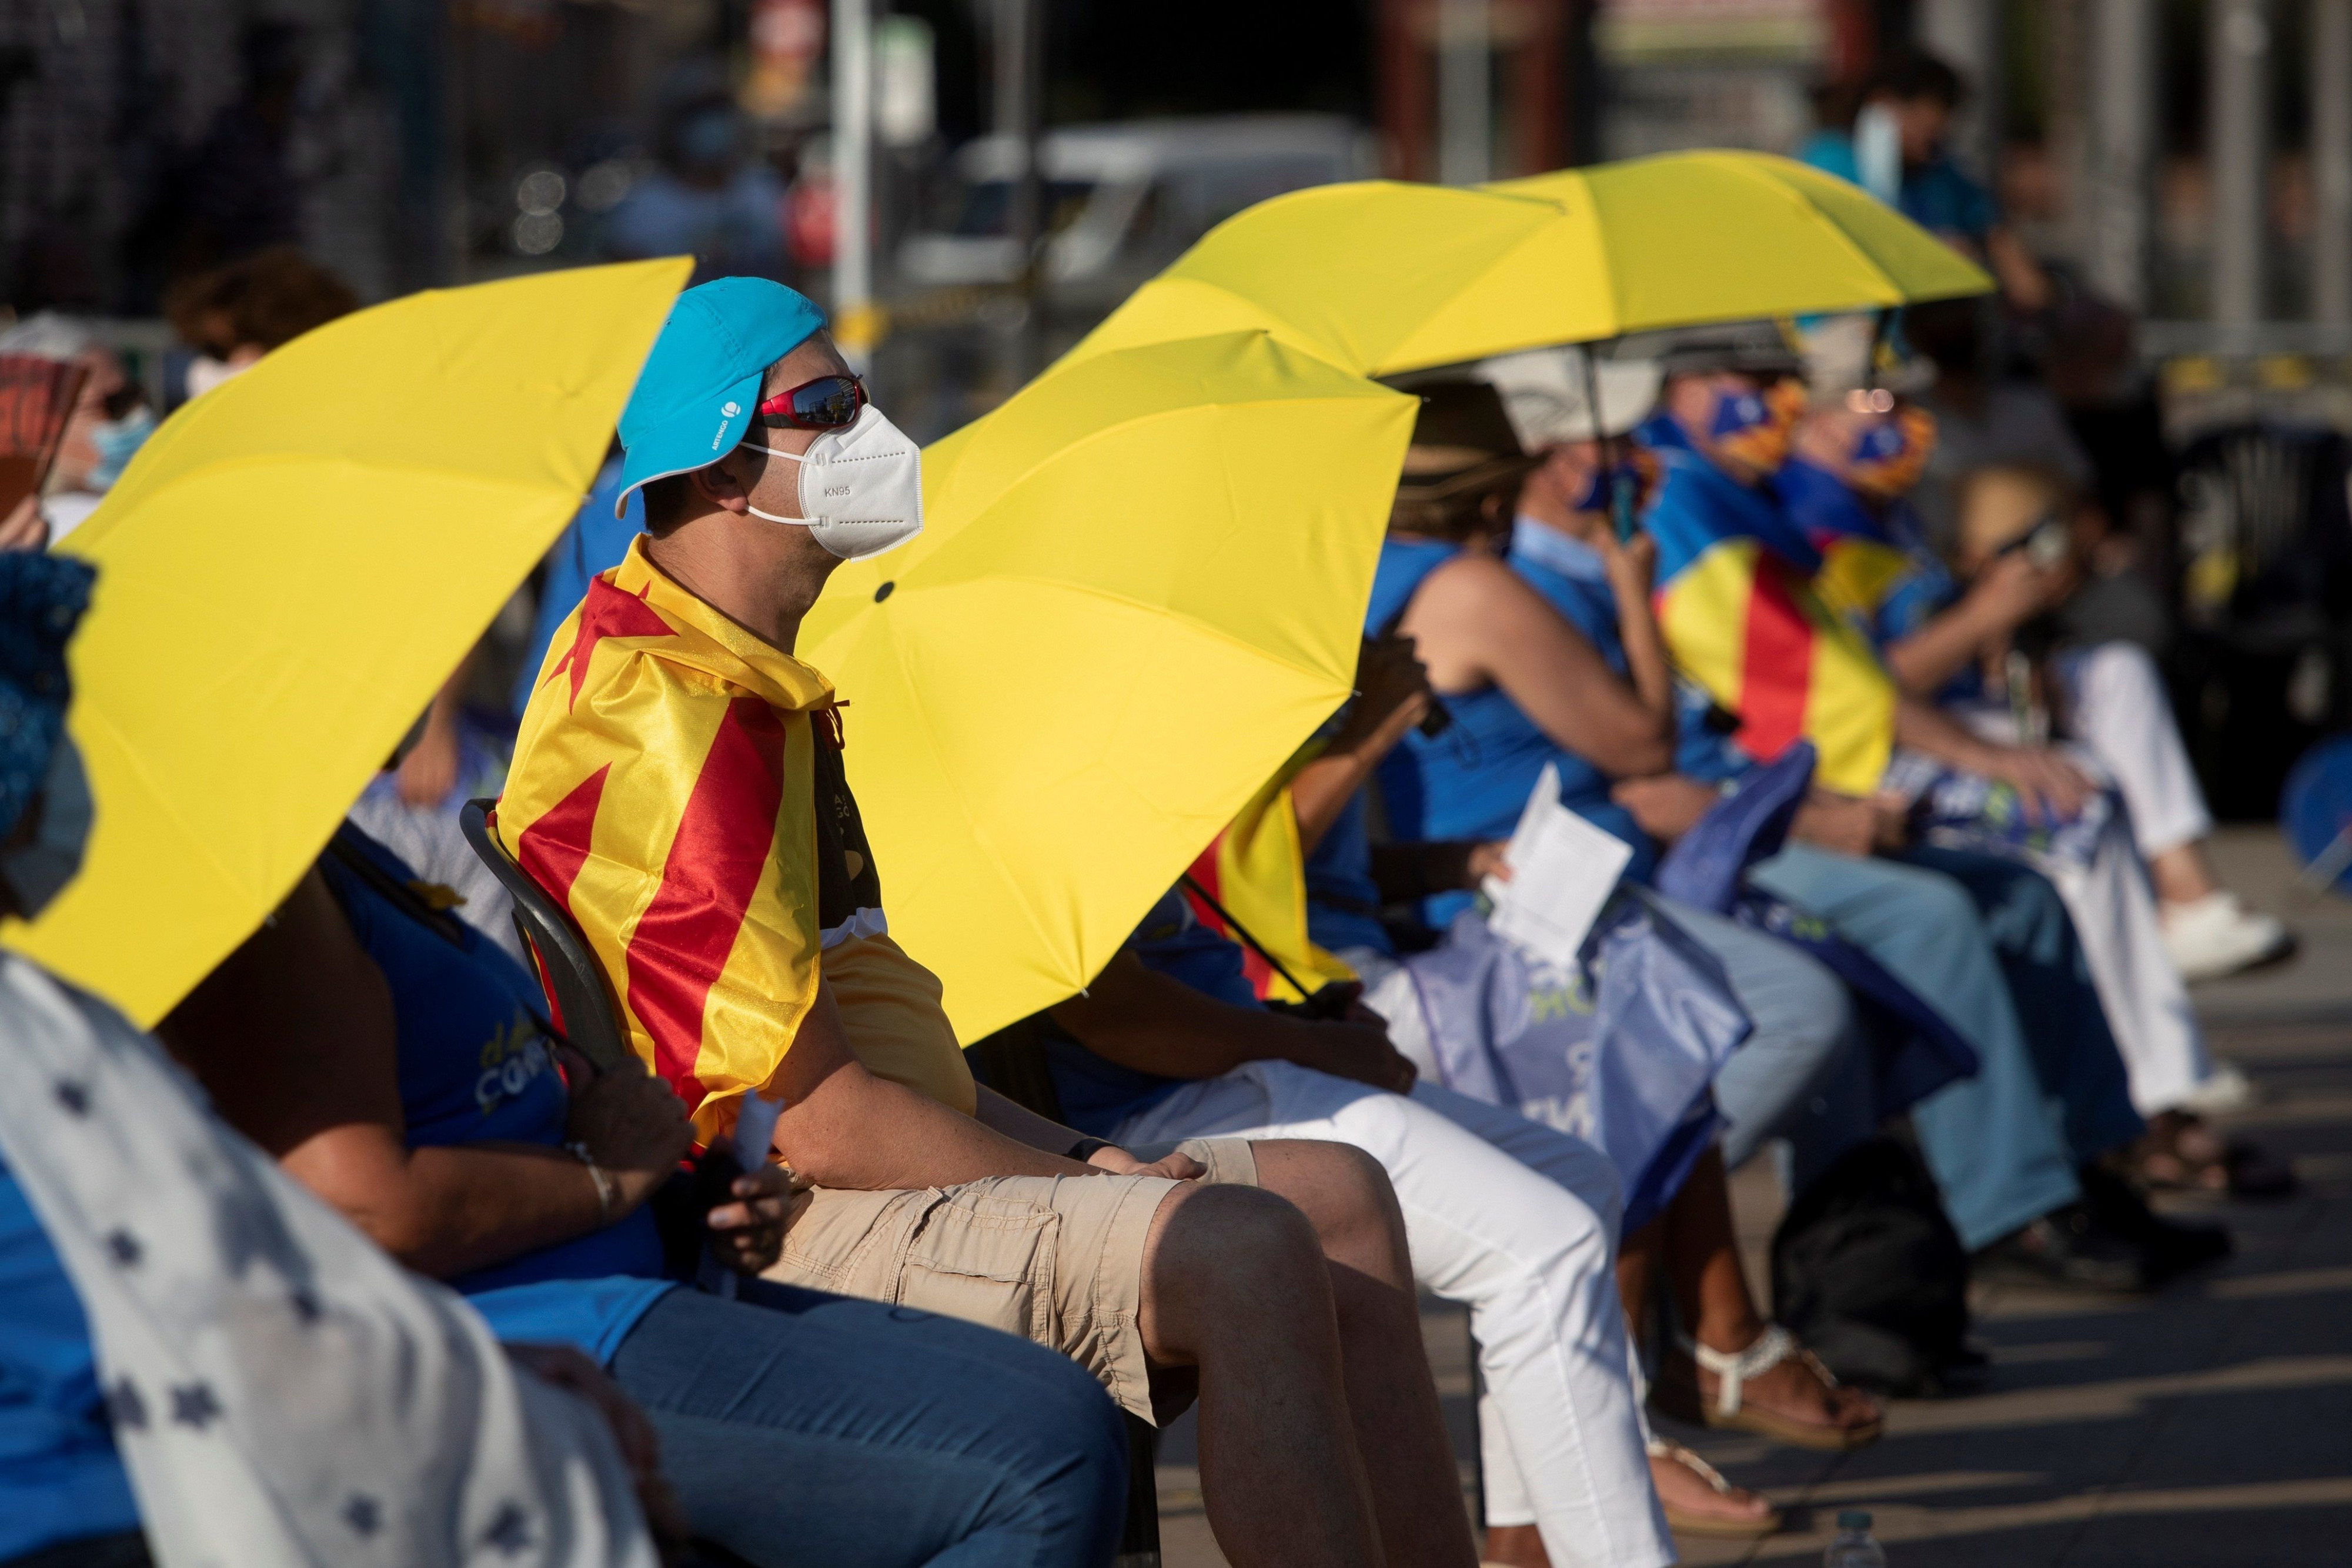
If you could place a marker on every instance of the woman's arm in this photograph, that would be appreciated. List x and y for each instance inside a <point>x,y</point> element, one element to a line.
<point>293,1035</point>
<point>1476,622</point>
<point>1391,696</point>
<point>2045,779</point>
<point>2009,591</point>
<point>1140,1018</point>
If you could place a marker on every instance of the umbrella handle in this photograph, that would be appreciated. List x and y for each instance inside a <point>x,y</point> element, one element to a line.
<point>1621,485</point>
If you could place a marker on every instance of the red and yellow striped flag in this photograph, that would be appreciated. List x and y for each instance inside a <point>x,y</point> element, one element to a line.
<point>666,791</point>
<point>1747,627</point>
<point>1256,870</point>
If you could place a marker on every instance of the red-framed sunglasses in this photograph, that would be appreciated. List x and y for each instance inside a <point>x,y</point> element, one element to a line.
<point>828,403</point>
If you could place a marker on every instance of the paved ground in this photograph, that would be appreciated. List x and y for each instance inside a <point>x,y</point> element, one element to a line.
<point>2208,1425</point>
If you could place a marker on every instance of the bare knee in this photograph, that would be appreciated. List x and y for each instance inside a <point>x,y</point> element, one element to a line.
<point>1219,1256</point>
<point>1345,1192</point>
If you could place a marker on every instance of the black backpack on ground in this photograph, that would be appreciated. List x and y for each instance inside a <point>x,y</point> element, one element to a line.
<point>1871,1276</point>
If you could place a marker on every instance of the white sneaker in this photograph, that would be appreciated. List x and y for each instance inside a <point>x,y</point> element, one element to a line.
<point>2217,935</point>
<point>2225,1090</point>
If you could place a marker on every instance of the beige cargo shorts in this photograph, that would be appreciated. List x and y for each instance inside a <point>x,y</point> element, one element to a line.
<point>1057,1259</point>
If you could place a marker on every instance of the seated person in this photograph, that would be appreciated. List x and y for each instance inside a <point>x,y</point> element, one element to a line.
<point>128,1212</point>
<point>1531,675</point>
<point>2108,698</point>
<point>1516,1220</point>
<point>2008,1148</point>
<point>678,786</point>
<point>1844,488</point>
<point>396,1063</point>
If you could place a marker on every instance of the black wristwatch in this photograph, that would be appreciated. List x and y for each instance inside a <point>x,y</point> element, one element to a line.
<point>1083,1150</point>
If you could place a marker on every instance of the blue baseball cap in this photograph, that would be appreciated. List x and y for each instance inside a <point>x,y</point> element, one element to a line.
<point>695,398</point>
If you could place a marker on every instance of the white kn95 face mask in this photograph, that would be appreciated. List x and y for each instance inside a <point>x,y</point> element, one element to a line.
<point>861,488</point>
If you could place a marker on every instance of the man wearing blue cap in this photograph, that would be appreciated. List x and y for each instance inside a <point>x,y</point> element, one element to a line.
<point>678,784</point>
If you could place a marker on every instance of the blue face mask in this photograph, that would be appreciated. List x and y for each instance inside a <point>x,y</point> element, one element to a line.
<point>36,872</point>
<point>116,440</point>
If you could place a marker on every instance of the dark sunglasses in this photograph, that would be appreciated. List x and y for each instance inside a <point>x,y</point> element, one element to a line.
<point>828,403</point>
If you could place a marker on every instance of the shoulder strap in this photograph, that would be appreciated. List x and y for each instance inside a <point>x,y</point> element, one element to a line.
<point>351,850</point>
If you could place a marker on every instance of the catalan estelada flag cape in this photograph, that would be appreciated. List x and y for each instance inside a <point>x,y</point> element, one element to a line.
<point>1742,617</point>
<point>1256,872</point>
<point>677,785</point>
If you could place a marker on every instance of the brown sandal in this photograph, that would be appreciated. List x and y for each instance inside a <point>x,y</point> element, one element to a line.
<point>1729,1410</point>
<point>2180,1153</point>
<point>1683,1522</point>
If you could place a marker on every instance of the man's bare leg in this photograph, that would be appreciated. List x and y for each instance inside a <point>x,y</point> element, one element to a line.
<point>1391,1393</point>
<point>1235,1285</point>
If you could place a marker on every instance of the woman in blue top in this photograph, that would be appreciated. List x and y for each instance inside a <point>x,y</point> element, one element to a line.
<point>393,1059</point>
<point>1534,689</point>
<point>1553,648</point>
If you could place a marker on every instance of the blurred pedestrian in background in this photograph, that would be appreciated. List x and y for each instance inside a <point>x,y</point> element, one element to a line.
<point>1899,152</point>
<point>110,423</point>
<point>233,315</point>
<point>711,198</point>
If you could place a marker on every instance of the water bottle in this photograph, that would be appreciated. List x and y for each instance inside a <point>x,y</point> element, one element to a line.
<point>1854,1547</point>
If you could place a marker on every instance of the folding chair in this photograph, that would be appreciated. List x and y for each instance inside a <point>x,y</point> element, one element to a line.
<point>586,1013</point>
<point>589,1016</point>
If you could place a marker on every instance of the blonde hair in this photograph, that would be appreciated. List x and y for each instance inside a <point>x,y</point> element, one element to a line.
<point>1998,504</point>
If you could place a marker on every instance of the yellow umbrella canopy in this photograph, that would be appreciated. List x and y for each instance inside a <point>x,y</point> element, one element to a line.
<point>1380,278</point>
<point>287,571</point>
<point>1141,585</point>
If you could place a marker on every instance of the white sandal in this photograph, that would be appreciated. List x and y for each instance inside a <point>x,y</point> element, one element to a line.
<point>1688,1523</point>
<point>1733,1369</point>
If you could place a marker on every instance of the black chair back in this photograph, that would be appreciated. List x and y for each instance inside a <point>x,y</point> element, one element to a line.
<point>586,1013</point>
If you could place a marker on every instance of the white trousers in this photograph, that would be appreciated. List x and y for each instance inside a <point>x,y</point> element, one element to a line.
<point>2126,737</point>
<point>1520,1222</point>
<point>2117,707</point>
<point>2113,910</point>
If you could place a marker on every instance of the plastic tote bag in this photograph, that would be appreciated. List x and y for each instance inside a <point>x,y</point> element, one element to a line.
<point>1618,1050</point>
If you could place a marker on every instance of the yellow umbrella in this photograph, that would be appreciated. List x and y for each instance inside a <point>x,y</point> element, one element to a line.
<point>1380,278</point>
<point>287,571</point>
<point>1141,585</point>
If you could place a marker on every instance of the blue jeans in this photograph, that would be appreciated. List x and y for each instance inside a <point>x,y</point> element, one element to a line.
<point>1802,1074</point>
<point>2075,1053</point>
<point>805,1429</point>
<point>1996,1142</point>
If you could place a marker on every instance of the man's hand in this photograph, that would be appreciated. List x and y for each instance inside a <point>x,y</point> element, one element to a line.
<point>1838,823</point>
<point>1348,1049</point>
<point>630,1124</point>
<point>1174,1166</point>
<point>633,1435</point>
<point>747,1236</point>
<point>1667,805</point>
<point>2048,779</point>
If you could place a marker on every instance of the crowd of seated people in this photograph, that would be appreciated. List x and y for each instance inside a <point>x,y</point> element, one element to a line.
<point>908,1335</point>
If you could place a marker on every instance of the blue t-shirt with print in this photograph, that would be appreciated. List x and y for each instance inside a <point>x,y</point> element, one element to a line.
<point>474,1067</point>
<point>60,1478</point>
